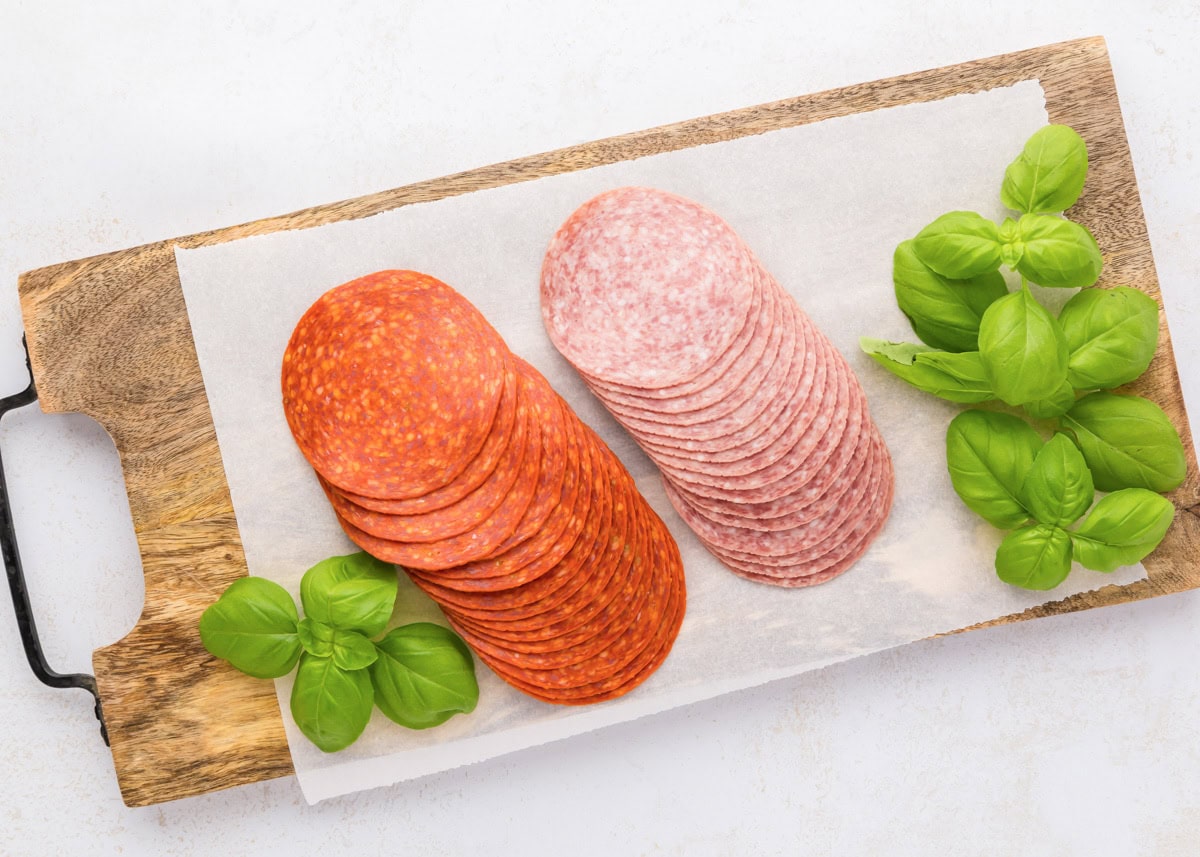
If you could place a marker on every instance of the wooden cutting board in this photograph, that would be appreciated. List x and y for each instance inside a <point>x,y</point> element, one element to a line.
<point>109,337</point>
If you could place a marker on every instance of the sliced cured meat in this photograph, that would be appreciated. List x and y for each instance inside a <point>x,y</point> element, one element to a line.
<point>645,288</point>
<point>443,452</point>
<point>766,449</point>
<point>480,468</point>
<point>373,401</point>
<point>809,538</point>
<point>774,430</point>
<point>728,388</point>
<point>519,461</point>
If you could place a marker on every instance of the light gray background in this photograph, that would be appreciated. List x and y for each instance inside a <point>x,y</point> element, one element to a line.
<point>128,122</point>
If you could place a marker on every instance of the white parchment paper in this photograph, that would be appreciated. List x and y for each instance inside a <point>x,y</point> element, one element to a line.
<point>823,206</point>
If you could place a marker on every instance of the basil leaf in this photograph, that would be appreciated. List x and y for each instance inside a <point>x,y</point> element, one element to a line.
<point>1023,350</point>
<point>1035,557</point>
<point>424,676</point>
<point>1123,529</point>
<point>316,637</point>
<point>944,313</point>
<point>253,626</point>
<point>954,377</point>
<point>1127,441</point>
<point>1057,253</point>
<point>1053,406</point>
<point>353,651</point>
<point>1049,173</point>
<point>1058,488</point>
<point>1011,247</point>
<point>959,245</point>
<point>331,705</point>
<point>353,593</point>
<point>988,456</point>
<point>1112,335</point>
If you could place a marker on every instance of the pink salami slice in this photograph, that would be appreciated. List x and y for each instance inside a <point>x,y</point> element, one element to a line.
<point>770,431</point>
<point>829,566</point>
<point>819,444</point>
<point>726,392</point>
<point>645,288</point>
<point>744,399</point>
<point>732,362</point>
<point>811,542</point>
<point>736,514</point>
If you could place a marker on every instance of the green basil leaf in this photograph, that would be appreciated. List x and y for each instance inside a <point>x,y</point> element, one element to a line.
<point>1035,557</point>
<point>1059,486</point>
<point>1127,441</point>
<point>316,637</point>
<point>1058,253</point>
<point>1123,529</point>
<point>954,377</point>
<point>988,456</point>
<point>959,245</point>
<point>253,626</point>
<point>944,313</point>
<point>424,675</point>
<point>1023,350</point>
<point>1112,335</point>
<point>352,593</point>
<point>1054,406</point>
<point>331,705</point>
<point>1011,248</point>
<point>353,651</point>
<point>1049,173</point>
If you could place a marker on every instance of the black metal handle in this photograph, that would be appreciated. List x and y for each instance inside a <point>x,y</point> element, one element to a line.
<point>16,577</point>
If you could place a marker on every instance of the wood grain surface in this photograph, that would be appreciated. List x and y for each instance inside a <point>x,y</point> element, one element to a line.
<point>109,337</point>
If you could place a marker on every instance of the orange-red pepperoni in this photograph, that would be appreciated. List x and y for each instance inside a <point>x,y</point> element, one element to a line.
<point>375,400</point>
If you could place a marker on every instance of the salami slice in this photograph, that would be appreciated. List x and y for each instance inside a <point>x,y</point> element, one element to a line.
<point>766,449</point>
<point>374,403</point>
<point>443,452</point>
<point>726,388</point>
<point>480,468</point>
<point>519,459</point>
<point>647,274</point>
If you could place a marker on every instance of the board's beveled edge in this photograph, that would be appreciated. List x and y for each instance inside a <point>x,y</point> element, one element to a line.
<point>42,300</point>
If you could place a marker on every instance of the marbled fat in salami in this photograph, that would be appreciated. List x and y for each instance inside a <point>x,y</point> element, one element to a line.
<point>757,423</point>
<point>442,451</point>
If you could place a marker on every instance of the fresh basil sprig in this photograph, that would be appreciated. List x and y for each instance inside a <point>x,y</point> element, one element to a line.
<point>1023,350</point>
<point>959,245</point>
<point>1002,470</point>
<point>944,313</point>
<point>1112,335</point>
<point>956,377</point>
<point>983,343</point>
<point>1035,557</point>
<point>988,455</point>
<point>1122,529</point>
<point>253,626</point>
<point>1128,442</point>
<point>419,675</point>
<point>1049,173</point>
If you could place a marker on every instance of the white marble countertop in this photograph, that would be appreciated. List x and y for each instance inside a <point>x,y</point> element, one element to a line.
<point>127,122</point>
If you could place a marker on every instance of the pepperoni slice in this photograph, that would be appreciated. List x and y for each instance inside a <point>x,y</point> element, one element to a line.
<point>374,401</point>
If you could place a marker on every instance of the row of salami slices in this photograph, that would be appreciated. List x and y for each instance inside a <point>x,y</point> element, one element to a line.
<point>758,424</point>
<point>443,452</point>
